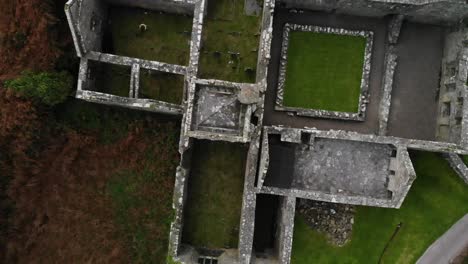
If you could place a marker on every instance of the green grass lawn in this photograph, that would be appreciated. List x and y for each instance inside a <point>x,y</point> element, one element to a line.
<point>112,79</point>
<point>435,202</point>
<point>324,71</point>
<point>212,212</point>
<point>161,86</point>
<point>465,159</point>
<point>166,39</point>
<point>228,29</point>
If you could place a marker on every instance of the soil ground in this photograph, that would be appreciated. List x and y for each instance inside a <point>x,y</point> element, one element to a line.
<point>99,191</point>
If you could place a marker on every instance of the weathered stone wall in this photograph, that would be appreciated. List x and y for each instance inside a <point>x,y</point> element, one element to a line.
<point>178,203</point>
<point>87,91</point>
<point>172,6</point>
<point>285,228</point>
<point>428,11</point>
<point>87,19</point>
<point>400,183</point>
<point>458,165</point>
<point>394,28</point>
<point>452,121</point>
<point>249,200</point>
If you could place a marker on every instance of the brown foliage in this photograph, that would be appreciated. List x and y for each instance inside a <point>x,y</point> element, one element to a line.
<point>27,39</point>
<point>62,214</point>
<point>19,120</point>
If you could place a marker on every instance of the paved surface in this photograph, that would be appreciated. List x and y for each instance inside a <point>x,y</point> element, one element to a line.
<point>343,167</point>
<point>378,26</point>
<point>448,246</point>
<point>331,166</point>
<point>414,97</point>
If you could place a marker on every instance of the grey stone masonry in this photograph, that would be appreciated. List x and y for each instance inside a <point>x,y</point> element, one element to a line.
<point>364,88</point>
<point>423,11</point>
<point>217,113</point>
<point>85,89</point>
<point>452,120</point>
<point>386,99</point>
<point>389,176</point>
<point>394,28</point>
<point>80,14</point>
<point>172,6</point>
<point>457,163</point>
<point>247,222</point>
<point>285,228</point>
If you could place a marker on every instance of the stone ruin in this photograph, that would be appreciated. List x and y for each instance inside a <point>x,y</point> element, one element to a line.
<point>298,161</point>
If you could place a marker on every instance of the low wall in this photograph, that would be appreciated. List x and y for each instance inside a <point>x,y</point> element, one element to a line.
<point>285,229</point>
<point>171,6</point>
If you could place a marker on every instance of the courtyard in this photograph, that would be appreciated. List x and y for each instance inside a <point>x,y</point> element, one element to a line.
<point>213,209</point>
<point>161,86</point>
<point>345,98</point>
<point>110,78</point>
<point>230,42</point>
<point>416,82</point>
<point>324,71</point>
<point>165,39</point>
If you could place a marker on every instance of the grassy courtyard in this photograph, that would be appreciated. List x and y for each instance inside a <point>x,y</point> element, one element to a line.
<point>324,71</point>
<point>216,183</point>
<point>161,86</point>
<point>437,200</point>
<point>111,79</point>
<point>166,39</point>
<point>230,42</point>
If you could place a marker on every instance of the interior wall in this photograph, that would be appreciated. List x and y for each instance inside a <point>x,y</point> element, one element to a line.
<point>437,12</point>
<point>171,6</point>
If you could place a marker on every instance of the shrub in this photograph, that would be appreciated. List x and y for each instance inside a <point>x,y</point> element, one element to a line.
<point>49,88</point>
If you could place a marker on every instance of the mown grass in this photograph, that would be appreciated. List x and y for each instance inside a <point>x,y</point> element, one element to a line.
<point>437,199</point>
<point>160,86</point>
<point>228,30</point>
<point>216,183</point>
<point>166,38</point>
<point>324,71</point>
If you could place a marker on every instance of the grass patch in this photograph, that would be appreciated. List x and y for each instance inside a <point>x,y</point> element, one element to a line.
<point>324,71</point>
<point>161,86</point>
<point>166,38</point>
<point>108,122</point>
<point>228,30</point>
<point>465,159</point>
<point>111,79</point>
<point>212,212</point>
<point>142,200</point>
<point>437,199</point>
